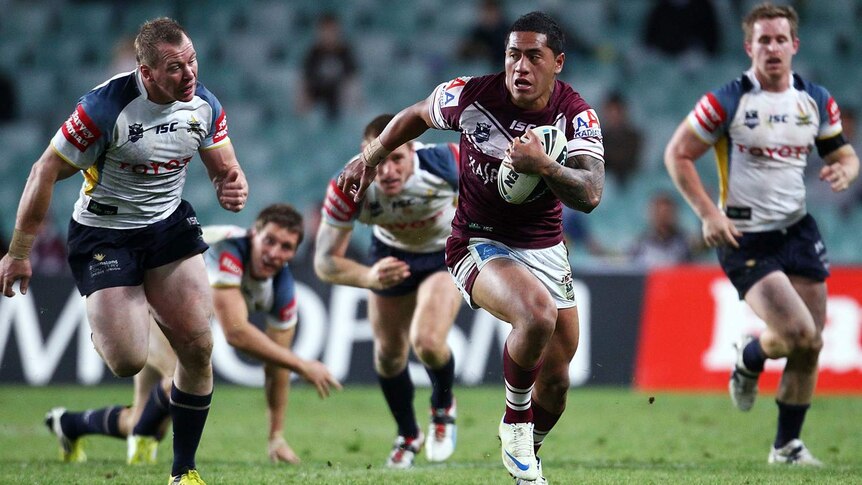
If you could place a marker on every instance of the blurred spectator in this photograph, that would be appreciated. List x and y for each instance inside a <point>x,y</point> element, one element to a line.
<point>48,257</point>
<point>677,27</point>
<point>487,39</point>
<point>664,242</point>
<point>578,236</point>
<point>8,98</point>
<point>123,58</point>
<point>328,70</point>
<point>621,138</point>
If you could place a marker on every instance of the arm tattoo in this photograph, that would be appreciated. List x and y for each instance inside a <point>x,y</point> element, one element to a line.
<point>580,183</point>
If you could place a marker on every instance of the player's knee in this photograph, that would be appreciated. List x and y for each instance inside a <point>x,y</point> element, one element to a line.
<point>429,348</point>
<point>195,351</point>
<point>541,322</point>
<point>127,366</point>
<point>388,361</point>
<point>556,390</point>
<point>804,339</point>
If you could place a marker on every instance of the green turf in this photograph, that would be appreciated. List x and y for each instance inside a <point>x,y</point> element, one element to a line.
<point>607,436</point>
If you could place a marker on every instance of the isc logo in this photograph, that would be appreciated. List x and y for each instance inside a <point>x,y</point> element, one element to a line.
<point>166,127</point>
<point>521,125</point>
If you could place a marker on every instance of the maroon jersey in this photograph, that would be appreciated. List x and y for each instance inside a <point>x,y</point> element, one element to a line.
<point>481,109</point>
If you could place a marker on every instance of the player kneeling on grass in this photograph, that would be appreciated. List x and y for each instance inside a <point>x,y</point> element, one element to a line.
<point>413,302</point>
<point>248,272</point>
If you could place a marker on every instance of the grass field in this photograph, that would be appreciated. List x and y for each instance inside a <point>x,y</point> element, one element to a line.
<point>607,436</point>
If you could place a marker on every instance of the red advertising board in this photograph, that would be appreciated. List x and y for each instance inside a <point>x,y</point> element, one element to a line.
<point>692,315</point>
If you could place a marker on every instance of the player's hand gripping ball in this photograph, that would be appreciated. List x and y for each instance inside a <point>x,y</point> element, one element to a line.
<point>519,188</point>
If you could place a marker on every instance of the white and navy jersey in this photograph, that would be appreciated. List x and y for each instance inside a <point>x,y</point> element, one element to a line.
<point>228,265</point>
<point>419,218</point>
<point>134,152</point>
<point>762,141</point>
<point>482,110</point>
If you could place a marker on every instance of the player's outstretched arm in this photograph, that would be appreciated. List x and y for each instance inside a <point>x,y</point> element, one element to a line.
<point>34,205</point>
<point>227,176</point>
<point>332,266</point>
<point>407,125</point>
<point>276,388</point>
<point>232,314</point>
<point>683,149</point>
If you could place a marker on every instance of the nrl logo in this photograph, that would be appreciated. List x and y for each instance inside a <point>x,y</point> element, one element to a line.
<point>194,126</point>
<point>751,119</point>
<point>99,257</point>
<point>136,132</point>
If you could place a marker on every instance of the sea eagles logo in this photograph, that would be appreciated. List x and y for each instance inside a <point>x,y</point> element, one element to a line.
<point>194,126</point>
<point>751,119</point>
<point>482,133</point>
<point>136,132</point>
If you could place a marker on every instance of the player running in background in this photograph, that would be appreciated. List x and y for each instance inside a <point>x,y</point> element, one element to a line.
<point>412,302</point>
<point>763,126</point>
<point>511,259</point>
<point>249,273</point>
<point>134,244</point>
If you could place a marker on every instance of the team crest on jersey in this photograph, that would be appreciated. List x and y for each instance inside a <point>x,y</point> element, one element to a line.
<point>482,132</point>
<point>751,119</point>
<point>375,208</point>
<point>136,132</point>
<point>194,126</point>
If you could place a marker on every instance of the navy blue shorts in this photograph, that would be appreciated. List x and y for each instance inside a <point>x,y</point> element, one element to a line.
<point>797,250</point>
<point>105,258</point>
<point>422,265</point>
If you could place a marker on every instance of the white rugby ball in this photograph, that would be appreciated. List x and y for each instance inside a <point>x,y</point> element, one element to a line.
<point>518,188</point>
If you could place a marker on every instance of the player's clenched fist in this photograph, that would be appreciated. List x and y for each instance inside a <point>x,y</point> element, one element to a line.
<point>232,189</point>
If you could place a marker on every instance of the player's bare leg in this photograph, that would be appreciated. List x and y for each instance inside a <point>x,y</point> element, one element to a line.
<point>795,313</point>
<point>150,413</point>
<point>508,290</point>
<point>119,326</point>
<point>119,320</point>
<point>180,297</point>
<point>390,321</point>
<point>437,303</point>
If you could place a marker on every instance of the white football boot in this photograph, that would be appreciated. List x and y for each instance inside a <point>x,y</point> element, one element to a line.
<point>404,452</point>
<point>442,433</point>
<point>793,453</point>
<point>743,382</point>
<point>516,443</point>
<point>539,481</point>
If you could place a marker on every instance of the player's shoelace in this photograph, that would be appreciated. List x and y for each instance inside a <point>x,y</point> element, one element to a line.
<point>521,445</point>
